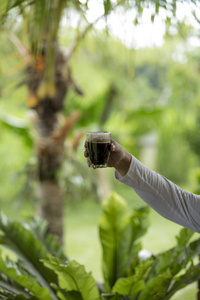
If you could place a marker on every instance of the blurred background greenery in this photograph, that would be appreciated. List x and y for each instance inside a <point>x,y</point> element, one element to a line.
<point>149,98</point>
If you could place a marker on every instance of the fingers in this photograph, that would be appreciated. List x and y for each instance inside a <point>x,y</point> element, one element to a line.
<point>87,155</point>
<point>113,146</point>
<point>89,164</point>
<point>85,151</point>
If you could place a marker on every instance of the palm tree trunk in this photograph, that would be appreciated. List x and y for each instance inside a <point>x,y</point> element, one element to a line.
<point>52,207</point>
<point>49,79</point>
<point>50,151</point>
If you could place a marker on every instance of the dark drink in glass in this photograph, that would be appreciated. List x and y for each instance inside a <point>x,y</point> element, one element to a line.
<point>98,146</point>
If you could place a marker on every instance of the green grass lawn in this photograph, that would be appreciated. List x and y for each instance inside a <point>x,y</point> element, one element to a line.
<point>82,242</point>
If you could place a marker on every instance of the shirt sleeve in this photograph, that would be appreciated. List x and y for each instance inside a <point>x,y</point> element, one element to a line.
<point>165,197</point>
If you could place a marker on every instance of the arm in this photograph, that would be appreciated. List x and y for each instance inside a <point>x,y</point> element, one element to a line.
<point>161,194</point>
<point>165,197</point>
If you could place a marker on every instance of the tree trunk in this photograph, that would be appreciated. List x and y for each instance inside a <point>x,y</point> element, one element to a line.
<point>48,88</point>
<point>52,207</point>
<point>50,151</point>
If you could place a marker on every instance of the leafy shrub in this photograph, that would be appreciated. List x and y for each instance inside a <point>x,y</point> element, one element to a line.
<point>39,270</point>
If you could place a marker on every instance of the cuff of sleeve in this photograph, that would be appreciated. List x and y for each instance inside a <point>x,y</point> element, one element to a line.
<point>121,178</point>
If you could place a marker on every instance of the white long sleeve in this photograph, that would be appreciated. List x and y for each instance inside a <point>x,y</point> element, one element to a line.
<point>165,197</point>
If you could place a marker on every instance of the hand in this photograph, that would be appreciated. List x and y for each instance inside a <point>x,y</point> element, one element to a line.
<point>119,159</point>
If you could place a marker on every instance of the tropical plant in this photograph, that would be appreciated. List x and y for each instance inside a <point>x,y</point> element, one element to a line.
<point>37,268</point>
<point>33,27</point>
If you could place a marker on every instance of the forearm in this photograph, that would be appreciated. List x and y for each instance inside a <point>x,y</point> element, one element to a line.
<point>162,195</point>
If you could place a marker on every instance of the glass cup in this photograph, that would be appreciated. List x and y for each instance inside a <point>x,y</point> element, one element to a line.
<point>98,147</point>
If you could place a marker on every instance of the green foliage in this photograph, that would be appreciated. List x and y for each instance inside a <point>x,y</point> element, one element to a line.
<point>138,104</point>
<point>191,133</point>
<point>20,277</point>
<point>30,233</point>
<point>118,234</point>
<point>140,79</point>
<point>156,276</point>
<point>39,270</point>
<point>77,186</point>
<point>142,278</point>
<point>73,277</point>
<point>133,284</point>
<point>17,125</point>
<point>179,128</point>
